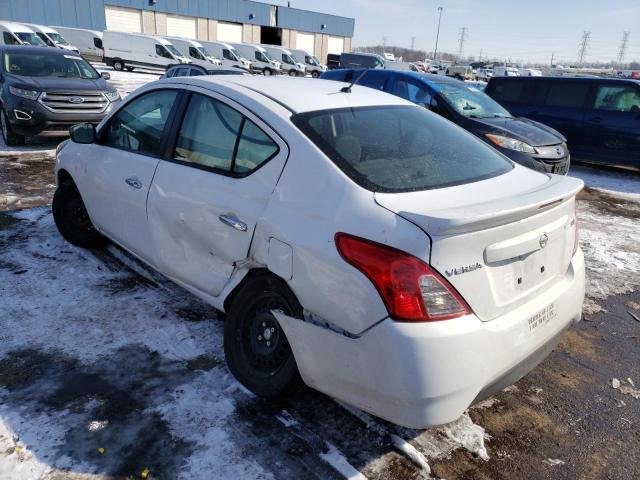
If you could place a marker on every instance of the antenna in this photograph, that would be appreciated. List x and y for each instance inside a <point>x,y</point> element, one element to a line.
<point>358,78</point>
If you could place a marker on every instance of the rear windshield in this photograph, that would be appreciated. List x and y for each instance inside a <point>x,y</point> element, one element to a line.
<point>400,149</point>
<point>32,64</point>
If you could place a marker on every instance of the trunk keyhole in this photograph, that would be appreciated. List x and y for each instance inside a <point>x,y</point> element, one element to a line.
<point>542,269</point>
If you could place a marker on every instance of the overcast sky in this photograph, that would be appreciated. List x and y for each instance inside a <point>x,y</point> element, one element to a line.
<point>529,31</point>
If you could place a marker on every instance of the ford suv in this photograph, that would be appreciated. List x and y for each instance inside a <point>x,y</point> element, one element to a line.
<point>46,91</point>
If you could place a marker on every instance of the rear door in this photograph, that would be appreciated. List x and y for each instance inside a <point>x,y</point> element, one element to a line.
<point>207,198</point>
<point>614,123</point>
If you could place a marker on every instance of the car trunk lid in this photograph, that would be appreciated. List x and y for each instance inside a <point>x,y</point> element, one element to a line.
<point>500,241</point>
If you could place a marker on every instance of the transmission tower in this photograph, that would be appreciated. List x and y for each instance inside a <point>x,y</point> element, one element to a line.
<point>413,43</point>
<point>461,39</point>
<point>584,44</point>
<point>623,47</point>
<point>384,41</point>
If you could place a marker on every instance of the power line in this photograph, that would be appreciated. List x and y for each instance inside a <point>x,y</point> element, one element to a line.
<point>582,48</point>
<point>623,47</point>
<point>461,39</point>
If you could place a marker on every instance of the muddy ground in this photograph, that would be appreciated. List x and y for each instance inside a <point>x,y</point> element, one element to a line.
<point>97,352</point>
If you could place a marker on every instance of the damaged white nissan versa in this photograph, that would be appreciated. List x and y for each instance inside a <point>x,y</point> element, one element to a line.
<point>356,241</point>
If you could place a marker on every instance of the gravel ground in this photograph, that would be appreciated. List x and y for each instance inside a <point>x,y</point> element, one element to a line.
<point>107,370</point>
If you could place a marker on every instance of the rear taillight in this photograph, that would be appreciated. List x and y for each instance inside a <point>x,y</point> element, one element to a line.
<point>409,288</point>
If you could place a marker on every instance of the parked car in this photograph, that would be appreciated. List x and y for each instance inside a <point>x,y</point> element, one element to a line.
<point>312,65</point>
<point>130,50</point>
<point>361,60</point>
<point>46,91</point>
<point>17,34</point>
<point>260,60</point>
<point>288,64</point>
<point>88,42</point>
<point>52,38</point>
<point>599,116</point>
<point>357,241</point>
<point>524,141</point>
<point>227,54</point>
<point>194,70</point>
<point>194,51</point>
<point>460,72</point>
<point>484,74</point>
<point>529,72</point>
<point>505,72</point>
<point>333,61</point>
<point>403,66</point>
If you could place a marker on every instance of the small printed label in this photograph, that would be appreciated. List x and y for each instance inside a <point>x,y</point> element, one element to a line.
<point>543,317</point>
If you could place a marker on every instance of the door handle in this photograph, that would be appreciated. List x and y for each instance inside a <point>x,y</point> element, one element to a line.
<point>233,222</point>
<point>134,182</point>
<point>595,119</point>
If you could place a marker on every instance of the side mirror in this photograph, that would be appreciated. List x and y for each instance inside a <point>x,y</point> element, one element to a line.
<point>106,75</point>
<point>84,133</point>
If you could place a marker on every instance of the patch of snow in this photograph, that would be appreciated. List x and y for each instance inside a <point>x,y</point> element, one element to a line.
<point>626,389</point>
<point>616,181</point>
<point>411,452</point>
<point>486,403</point>
<point>335,458</point>
<point>553,462</point>
<point>468,434</point>
<point>615,383</point>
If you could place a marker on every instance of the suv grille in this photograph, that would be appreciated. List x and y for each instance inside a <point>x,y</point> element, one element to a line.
<point>73,102</point>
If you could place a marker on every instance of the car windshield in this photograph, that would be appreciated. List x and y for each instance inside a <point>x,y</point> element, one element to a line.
<point>288,59</point>
<point>233,54</point>
<point>30,38</point>
<point>400,148</point>
<point>31,64</point>
<point>173,50</point>
<point>469,101</point>
<point>262,56</point>
<point>309,60</point>
<point>59,39</point>
<point>204,52</point>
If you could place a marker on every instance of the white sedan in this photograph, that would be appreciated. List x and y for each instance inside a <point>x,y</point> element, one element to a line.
<point>356,241</point>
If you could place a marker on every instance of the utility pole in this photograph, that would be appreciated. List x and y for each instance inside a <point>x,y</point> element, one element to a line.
<point>582,49</point>
<point>413,43</point>
<point>435,50</point>
<point>623,48</point>
<point>384,41</point>
<point>461,39</point>
<point>551,63</point>
<point>480,57</point>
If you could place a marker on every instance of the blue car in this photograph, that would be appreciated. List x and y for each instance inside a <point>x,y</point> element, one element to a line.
<point>599,116</point>
<point>524,141</point>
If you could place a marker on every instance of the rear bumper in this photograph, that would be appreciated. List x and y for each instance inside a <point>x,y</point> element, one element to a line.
<point>423,374</point>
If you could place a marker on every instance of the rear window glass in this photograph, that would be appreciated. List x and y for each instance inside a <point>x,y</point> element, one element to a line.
<point>400,149</point>
<point>564,94</point>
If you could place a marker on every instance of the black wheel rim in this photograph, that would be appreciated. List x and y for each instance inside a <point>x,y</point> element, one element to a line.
<point>76,214</point>
<point>262,341</point>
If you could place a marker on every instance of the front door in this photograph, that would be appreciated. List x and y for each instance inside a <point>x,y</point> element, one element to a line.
<point>614,124</point>
<point>206,200</point>
<point>118,178</point>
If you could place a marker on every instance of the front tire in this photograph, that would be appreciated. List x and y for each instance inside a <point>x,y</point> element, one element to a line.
<point>293,73</point>
<point>72,219</point>
<point>267,72</point>
<point>11,138</point>
<point>118,65</point>
<point>255,346</point>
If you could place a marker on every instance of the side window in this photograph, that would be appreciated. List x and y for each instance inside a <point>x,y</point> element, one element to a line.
<point>216,136</point>
<point>194,53</point>
<point>97,42</point>
<point>617,98</point>
<point>507,91</point>
<point>566,94</point>
<point>194,72</point>
<point>163,52</point>
<point>9,39</point>
<point>139,126</point>
<point>171,73</point>
<point>374,79</point>
<point>412,91</point>
<point>226,54</point>
<point>208,133</point>
<point>254,148</point>
<point>181,72</point>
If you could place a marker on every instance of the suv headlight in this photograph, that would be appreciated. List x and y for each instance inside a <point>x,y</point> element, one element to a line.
<point>511,143</point>
<point>112,96</point>
<point>21,92</point>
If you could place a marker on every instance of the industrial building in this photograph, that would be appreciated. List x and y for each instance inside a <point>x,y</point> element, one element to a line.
<point>222,20</point>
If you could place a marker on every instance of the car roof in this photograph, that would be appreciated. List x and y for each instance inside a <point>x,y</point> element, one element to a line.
<point>300,94</point>
<point>31,49</point>
<point>17,26</point>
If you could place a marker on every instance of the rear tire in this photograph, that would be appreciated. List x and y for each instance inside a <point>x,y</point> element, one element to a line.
<point>255,346</point>
<point>118,65</point>
<point>267,72</point>
<point>11,138</point>
<point>72,219</point>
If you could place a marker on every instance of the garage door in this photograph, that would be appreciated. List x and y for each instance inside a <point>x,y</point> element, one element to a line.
<point>123,19</point>
<point>336,45</point>
<point>229,32</point>
<point>306,41</point>
<point>181,26</point>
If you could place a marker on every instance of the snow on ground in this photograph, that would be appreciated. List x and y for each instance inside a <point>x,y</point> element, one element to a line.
<point>617,181</point>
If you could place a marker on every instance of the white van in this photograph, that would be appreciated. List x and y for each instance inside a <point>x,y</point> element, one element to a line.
<point>194,51</point>
<point>88,42</point>
<point>52,38</point>
<point>311,63</point>
<point>227,54</point>
<point>17,34</point>
<point>288,62</point>
<point>259,58</point>
<point>505,72</point>
<point>529,72</point>
<point>129,50</point>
